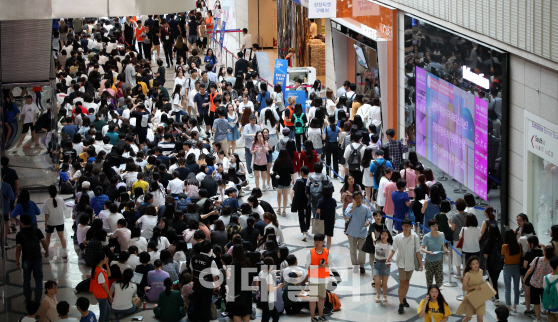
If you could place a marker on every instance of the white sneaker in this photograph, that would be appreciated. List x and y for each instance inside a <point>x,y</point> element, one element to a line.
<point>304,236</point>
<point>356,269</point>
<point>251,175</point>
<point>264,187</point>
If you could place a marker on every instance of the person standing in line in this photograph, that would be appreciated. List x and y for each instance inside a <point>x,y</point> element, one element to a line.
<point>317,262</point>
<point>99,285</point>
<point>28,250</point>
<point>359,218</point>
<point>401,204</point>
<point>433,246</point>
<point>538,269</point>
<point>395,149</point>
<point>30,113</point>
<point>168,41</point>
<point>249,132</point>
<point>512,256</point>
<point>408,245</point>
<point>53,208</point>
<point>492,252</point>
<point>550,278</point>
<point>457,222</point>
<point>246,43</point>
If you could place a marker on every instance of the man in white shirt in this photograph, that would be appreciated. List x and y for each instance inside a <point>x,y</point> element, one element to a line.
<point>30,113</point>
<point>407,244</point>
<point>375,113</point>
<point>343,89</point>
<point>113,217</point>
<point>175,186</point>
<point>246,43</point>
<point>313,29</point>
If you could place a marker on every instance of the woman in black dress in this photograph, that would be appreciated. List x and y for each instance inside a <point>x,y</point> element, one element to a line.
<point>155,34</point>
<point>326,212</point>
<point>239,300</point>
<point>421,193</point>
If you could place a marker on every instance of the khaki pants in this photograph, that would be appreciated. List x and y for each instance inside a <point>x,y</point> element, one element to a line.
<point>355,245</point>
<point>552,317</point>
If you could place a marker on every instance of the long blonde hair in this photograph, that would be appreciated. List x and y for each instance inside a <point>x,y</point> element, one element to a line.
<point>179,42</point>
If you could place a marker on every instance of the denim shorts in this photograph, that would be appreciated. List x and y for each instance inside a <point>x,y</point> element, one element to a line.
<point>319,151</point>
<point>380,269</point>
<point>126,312</point>
<point>192,39</point>
<point>269,158</point>
<point>283,187</point>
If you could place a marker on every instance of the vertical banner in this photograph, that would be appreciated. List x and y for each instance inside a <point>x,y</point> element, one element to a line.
<point>213,37</point>
<point>222,39</point>
<point>280,75</point>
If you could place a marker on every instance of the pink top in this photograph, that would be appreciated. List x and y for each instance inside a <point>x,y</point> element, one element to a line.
<point>411,181</point>
<point>388,190</point>
<point>348,199</point>
<point>260,157</point>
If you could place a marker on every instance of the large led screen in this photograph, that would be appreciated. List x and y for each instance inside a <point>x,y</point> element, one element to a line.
<point>452,130</point>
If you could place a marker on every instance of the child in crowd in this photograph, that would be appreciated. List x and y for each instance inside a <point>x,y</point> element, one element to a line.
<point>317,262</point>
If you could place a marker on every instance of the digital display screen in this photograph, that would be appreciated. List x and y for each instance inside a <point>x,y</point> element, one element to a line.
<point>452,130</point>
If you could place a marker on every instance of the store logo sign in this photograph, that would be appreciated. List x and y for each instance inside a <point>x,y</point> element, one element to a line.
<point>368,32</point>
<point>387,31</point>
<point>475,78</point>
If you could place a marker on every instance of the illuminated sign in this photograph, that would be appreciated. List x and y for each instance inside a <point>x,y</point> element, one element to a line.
<point>475,78</point>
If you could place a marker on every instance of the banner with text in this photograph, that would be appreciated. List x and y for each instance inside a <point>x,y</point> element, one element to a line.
<point>213,37</point>
<point>280,75</point>
<point>299,95</point>
<point>222,39</point>
<point>322,9</point>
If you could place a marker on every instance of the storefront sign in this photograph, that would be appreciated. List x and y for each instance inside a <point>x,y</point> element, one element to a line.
<point>365,8</point>
<point>541,138</point>
<point>280,76</point>
<point>475,78</point>
<point>322,9</point>
<point>368,32</point>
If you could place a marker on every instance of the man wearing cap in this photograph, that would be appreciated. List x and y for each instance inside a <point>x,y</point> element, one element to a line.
<point>249,133</point>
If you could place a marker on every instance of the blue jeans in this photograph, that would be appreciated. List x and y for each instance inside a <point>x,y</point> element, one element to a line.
<point>248,156</point>
<point>511,271</point>
<point>34,266</point>
<point>178,115</point>
<point>104,310</point>
<point>292,132</point>
<point>127,312</point>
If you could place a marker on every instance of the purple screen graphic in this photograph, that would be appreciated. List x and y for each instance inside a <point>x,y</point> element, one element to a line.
<point>452,130</point>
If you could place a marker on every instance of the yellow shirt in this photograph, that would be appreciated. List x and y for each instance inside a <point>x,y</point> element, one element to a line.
<point>140,183</point>
<point>143,87</point>
<point>354,110</point>
<point>433,308</point>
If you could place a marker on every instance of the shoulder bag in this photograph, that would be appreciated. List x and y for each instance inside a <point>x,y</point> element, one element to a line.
<point>417,264</point>
<point>318,227</point>
<point>460,242</point>
<point>527,278</point>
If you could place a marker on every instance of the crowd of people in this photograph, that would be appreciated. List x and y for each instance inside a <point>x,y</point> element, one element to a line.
<point>162,212</point>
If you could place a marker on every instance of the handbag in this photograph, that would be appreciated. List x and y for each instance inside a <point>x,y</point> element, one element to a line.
<point>460,242</point>
<point>528,277</point>
<point>368,246</point>
<point>410,214</point>
<point>318,227</point>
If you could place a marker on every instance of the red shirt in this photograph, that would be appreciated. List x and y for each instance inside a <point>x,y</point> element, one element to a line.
<point>79,110</point>
<point>303,160</point>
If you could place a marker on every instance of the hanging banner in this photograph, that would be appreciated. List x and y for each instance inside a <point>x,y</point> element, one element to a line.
<point>213,37</point>
<point>280,75</point>
<point>222,39</point>
<point>322,9</point>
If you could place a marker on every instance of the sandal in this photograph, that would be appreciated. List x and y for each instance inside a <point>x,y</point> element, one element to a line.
<point>284,214</point>
<point>385,298</point>
<point>377,299</point>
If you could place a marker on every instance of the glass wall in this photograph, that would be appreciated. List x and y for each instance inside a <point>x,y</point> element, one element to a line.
<point>456,109</point>
<point>544,197</point>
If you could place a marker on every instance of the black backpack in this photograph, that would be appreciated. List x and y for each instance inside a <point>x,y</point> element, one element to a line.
<point>350,100</point>
<point>354,158</point>
<point>148,172</point>
<point>379,171</point>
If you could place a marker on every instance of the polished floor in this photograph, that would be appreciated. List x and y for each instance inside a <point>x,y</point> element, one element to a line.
<point>355,292</point>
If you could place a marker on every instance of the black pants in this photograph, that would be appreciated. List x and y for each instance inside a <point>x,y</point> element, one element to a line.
<point>304,218</point>
<point>202,308</point>
<point>281,121</point>
<point>267,313</point>
<point>168,52</point>
<point>147,51</point>
<point>494,275</point>
<point>332,156</point>
<point>299,138</point>
<point>140,49</point>
<point>357,175</point>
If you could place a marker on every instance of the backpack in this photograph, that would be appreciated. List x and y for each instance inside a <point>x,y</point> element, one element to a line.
<point>182,202</point>
<point>66,188</point>
<point>349,103</point>
<point>550,296</point>
<point>378,172</point>
<point>148,172</point>
<point>298,124</point>
<point>316,190</point>
<point>354,158</point>
<point>334,300</point>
